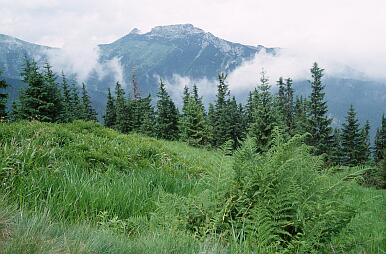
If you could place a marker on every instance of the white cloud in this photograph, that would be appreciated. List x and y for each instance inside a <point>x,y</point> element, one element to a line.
<point>335,33</point>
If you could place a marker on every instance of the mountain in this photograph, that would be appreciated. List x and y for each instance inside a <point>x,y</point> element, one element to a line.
<point>188,51</point>
<point>177,49</point>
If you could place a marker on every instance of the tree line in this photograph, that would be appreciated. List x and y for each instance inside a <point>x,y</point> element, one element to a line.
<point>224,124</point>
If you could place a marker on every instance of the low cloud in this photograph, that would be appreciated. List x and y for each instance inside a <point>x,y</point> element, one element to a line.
<point>83,62</point>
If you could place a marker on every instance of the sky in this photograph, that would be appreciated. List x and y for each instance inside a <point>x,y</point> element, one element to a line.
<point>341,34</point>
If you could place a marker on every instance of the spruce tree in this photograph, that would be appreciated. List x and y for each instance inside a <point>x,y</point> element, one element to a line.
<point>248,111</point>
<point>67,101</point>
<point>301,115</point>
<point>289,106</point>
<point>148,121</point>
<point>54,105</point>
<point>3,99</point>
<point>319,122</point>
<point>336,153</point>
<point>365,147</point>
<point>75,104</point>
<point>220,125</point>
<point>264,115</point>
<point>122,117</point>
<point>193,125</point>
<point>110,115</point>
<point>41,98</point>
<point>351,139</point>
<point>88,112</point>
<point>380,141</point>
<point>235,118</point>
<point>166,115</point>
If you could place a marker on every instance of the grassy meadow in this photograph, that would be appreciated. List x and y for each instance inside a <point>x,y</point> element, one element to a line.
<point>83,188</point>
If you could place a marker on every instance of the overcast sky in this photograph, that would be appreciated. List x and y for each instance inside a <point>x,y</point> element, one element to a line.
<point>353,30</point>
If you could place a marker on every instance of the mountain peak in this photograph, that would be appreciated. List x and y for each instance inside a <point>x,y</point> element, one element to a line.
<point>180,30</point>
<point>135,31</point>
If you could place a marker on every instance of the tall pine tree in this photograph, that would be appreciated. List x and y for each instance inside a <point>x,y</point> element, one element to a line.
<point>3,98</point>
<point>264,115</point>
<point>319,124</point>
<point>166,115</point>
<point>351,139</point>
<point>110,115</point>
<point>41,99</point>
<point>122,117</point>
<point>88,112</point>
<point>380,141</point>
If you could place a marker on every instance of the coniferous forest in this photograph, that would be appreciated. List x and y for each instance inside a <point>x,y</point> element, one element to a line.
<point>272,175</point>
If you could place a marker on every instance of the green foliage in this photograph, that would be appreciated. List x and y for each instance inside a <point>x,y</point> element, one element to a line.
<point>193,126</point>
<point>265,115</point>
<point>82,188</point>
<point>88,113</point>
<point>351,139</point>
<point>110,116</point>
<point>166,115</point>
<point>380,141</point>
<point>318,121</point>
<point>3,98</point>
<point>41,100</point>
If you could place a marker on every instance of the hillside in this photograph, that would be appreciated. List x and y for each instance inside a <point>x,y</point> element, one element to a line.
<point>82,188</point>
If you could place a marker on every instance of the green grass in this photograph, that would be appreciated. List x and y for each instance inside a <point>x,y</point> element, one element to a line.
<point>82,188</point>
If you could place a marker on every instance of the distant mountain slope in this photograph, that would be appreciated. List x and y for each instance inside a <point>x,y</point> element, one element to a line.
<point>13,51</point>
<point>177,49</point>
<point>189,51</point>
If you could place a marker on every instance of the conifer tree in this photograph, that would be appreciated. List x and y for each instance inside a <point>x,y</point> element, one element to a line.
<point>166,116</point>
<point>301,115</point>
<point>351,139</point>
<point>220,125</point>
<point>88,112</point>
<point>3,98</point>
<point>122,117</point>
<point>365,147</point>
<point>67,101</point>
<point>54,105</point>
<point>110,115</point>
<point>264,115</point>
<point>148,121</point>
<point>336,153</point>
<point>248,111</point>
<point>193,125</point>
<point>380,141</point>
<point>319,122</point>
<point>235,118</point>
<point>41,99</point>
<point>75,105</point>
<point>289,106</point>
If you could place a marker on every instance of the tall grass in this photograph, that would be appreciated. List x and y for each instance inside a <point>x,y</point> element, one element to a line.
<point>82,188</point>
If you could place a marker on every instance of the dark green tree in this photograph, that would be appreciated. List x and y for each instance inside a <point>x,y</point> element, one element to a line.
<point>351,139</point>
<point>121,109</point>
<point>264,115</point>
<point>110,116</point>
<point>380,141</point>
<point>88,112</point>
<point>41,99</point>
<point>336,153</point>
<point>220,125</point>
<point>166,115</point>
<point>319,124</point>
<point>193,126</point>
<point>3,98</point>
<point>68,114</point>
<point>75,105</point>
<point>365,146</point>
<point>148,121</point>
<point>301,115</point>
